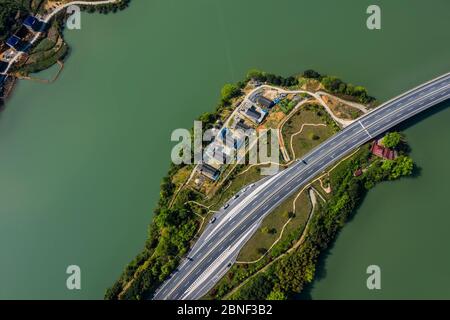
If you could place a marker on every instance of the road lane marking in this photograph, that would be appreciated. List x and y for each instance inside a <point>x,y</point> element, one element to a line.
<point>365,129</point>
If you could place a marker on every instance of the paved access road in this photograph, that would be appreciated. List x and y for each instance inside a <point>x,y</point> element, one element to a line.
<point>218,246</point>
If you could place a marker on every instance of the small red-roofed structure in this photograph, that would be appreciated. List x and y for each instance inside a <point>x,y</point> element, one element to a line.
<point>383,152</point>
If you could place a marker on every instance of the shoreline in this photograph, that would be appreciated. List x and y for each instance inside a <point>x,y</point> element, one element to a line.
<point>131,277</point>
<point>100,6</point>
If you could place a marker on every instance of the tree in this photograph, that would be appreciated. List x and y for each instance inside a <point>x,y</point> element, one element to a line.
<point>391,140</point>
<point>404,166</point>
<point>262,250</point>
<point>332,84</point>
<point>387,165</point>
<point>230,91</point>
<point>256,75</point>
<point>313,136</point>
<point>311,74</point>
<point>276,295</point>
<point>288,214</point>
<point>207,118</point>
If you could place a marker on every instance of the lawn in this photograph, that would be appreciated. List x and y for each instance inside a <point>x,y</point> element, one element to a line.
<point>182,175</point>
<point>310,137</point>
<point>272,226</point>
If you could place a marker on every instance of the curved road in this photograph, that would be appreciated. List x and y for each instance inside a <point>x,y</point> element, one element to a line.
<point>218,246</point>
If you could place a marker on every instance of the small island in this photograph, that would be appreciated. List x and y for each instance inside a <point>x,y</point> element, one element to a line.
<point>280,258</point>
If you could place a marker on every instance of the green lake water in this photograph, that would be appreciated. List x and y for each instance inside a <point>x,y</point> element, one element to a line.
<point>81,159</point>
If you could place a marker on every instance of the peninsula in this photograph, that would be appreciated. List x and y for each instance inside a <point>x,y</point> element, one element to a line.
<point>225,231</point>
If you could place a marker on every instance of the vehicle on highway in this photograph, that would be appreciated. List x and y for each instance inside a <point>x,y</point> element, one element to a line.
<point>213,220</point>
<point>226,205</point>
<point>236,196</point>
<point>304,161</point>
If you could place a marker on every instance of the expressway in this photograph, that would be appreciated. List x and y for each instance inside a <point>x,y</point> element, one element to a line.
<point>218,246</point>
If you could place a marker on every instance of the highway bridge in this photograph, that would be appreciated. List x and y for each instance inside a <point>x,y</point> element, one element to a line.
<point>220,243</point>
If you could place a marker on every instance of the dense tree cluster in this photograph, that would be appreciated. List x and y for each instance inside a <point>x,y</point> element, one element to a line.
<point>394,169</point>
<point>272,79</point>
<point>230,91</point>
<point>337,86</point>
<point>392,139</point>
<point>9,9</point>
<point>311,74</point>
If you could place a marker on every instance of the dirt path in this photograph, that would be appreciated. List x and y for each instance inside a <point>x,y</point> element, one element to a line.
<point>46,81</point>
<point>281,126</point>
<point>352,104</point>
<point>300,131</point>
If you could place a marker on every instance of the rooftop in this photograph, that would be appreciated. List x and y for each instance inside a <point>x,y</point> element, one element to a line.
<point>17,44</point>
<point>383,152</point>
<point>255,115</point>
<point>209,171</point>
<point>240,124</point>
<point>3,66</point>
<point>22,33</point>
<point>34,24</point>
<point>13,41</point>
<point>2,83</point>
<point>264,102</point>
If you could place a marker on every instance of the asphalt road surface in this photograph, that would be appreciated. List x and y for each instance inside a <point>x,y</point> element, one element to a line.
<point>218,246</point>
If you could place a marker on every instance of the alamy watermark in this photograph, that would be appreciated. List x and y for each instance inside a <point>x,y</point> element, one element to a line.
<point>374,20</point>
<point>73,281</point>
<point>374,280</point>
<point>74,18</point>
